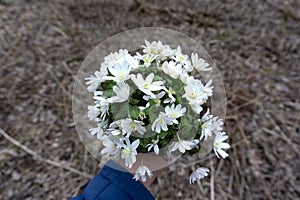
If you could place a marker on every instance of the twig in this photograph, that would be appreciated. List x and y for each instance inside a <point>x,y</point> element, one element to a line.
<point>39,157</point>
<point>212,188</point>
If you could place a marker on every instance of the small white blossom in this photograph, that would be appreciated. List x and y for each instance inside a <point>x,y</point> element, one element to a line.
<point>219,145</point>
<point>93,112</point>
<point>113,57</point>
<point>174,112</point>
<point>207,90</point>
<point>128,126</point>
<point>182,145</point>
<point>161,123</point>
<point>185,78</point>
<point>142,172</point>
<point>122,93</point>
<point>170,98</point>
<point>129,152</point>
<point>99,130</point>
<point>172,69</point>
<point>179,57</point>
<point>198,174</point>
<point>199,64</point>
<point>146,58</point>
<point>115,128</point>
<point>95,81</point>
<point>131,61</point>
<point>156,99</point>
<point>120,72</point>
<point>194,93</point>
<point>157,48</point>
<point>110,147</point>
<point>210,124</point>
<point>154,145</point>
<point>103,105</point>
<point>197,108</point>
<point>146,85</point>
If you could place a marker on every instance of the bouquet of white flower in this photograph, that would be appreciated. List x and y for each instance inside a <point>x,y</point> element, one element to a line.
<point>149,101</point>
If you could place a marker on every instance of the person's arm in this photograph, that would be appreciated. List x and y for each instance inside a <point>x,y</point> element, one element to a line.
<point>114,182</point>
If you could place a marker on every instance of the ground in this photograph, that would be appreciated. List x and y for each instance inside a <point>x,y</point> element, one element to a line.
<point>255,45</point>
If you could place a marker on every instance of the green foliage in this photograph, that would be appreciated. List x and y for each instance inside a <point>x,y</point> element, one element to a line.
<point>133,101</point>
<point>108,88</point>
<point>134,112</point>
<point>153,113</point>
<point>119,110</point>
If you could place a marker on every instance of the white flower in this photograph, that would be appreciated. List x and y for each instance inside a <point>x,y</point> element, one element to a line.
<point>194,91</point>
<point>179,57</point>
<point>161,123</point>
<point>99,130</point>
<point>207,90</point>
<point>154,145</point>
<point>183,145</point>
<point>147,86</point>
<point>95,81</point>
<point>93,112</point>
<point>113,57</point>
<point>142,172</point>
<point>210,124</point>
<point>146,58</point>
<point>128,126</point>
<point>120,72</point>
<point>122,91</point>
<point>185,78</point>
<point>156,99</point>
<point>172,69</point>
<point>219,145</point>
<point>115,128</point>
<point>129,152</point>
<point>110,147</point>
<point>170,98</point>
<point>102,105</point>
<point>198,174</point>
<point>131,61</point>
<point>174,112</point>
<point>186,68</point>
<point>157,48</point>
<point>199,64</point>
<point>197,108</point>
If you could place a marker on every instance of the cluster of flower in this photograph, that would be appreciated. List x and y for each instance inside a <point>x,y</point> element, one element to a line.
<point>150,89</point>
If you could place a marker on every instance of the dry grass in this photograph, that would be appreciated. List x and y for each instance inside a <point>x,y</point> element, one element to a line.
<point>255,44</point>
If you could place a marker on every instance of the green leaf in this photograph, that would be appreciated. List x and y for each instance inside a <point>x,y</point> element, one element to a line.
<point>134,112</point>
<point>119,110</point>
<point>157,78</point>
<point>133,101</point>
<point>153,113</point>
<point>109,93</point>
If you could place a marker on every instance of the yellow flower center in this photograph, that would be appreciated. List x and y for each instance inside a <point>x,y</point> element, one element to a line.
<point>127,151</point>
<point>146,86</point>
<point>147,60</point>
<point>174,114</point>
<point>180,58</point>
<point>161,121</point>
<point>193,95</point>
<point>133,125</point>
<point>171,91</point>
<point>121,75</point>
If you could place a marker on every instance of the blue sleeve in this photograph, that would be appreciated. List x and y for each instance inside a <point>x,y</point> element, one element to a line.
<point>114,183</point>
